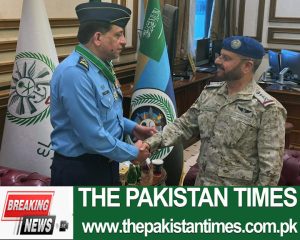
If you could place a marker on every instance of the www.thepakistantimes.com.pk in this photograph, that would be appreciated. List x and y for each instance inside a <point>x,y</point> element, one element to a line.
<point>207,226</point>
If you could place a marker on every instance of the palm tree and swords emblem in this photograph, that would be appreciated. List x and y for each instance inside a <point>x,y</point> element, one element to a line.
<point>30,90</point>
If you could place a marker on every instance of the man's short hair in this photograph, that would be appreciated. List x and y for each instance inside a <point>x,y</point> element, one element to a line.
<point>88,29</point>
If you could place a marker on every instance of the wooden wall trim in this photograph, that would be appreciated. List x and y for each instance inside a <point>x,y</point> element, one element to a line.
<point>133,48</point>
<point>7,67</point>
<point>273,18</point>
<point>260,19</point>
<point>10,46</point>
<point>273,31</point>
<point>6,46</point>
<point>6,24</point>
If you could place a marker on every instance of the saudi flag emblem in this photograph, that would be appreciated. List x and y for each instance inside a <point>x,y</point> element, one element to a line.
<point>29,101</point>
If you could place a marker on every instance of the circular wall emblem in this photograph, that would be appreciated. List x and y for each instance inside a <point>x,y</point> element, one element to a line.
<point>149,116</point>
<point>29,100</point>
<point>235,44</point>
<point>151,107</point>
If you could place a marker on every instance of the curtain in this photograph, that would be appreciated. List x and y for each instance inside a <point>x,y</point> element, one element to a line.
<point>193,36</point>
<point>209,5</point>
<point>183,30</point>
<point>223,22</point>
<point>191,46</point>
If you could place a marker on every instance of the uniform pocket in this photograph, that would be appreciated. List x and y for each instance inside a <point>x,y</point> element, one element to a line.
<point>107,101</point>
<point>235,172</point>
<point>106,107</point>
<point>231,128</point>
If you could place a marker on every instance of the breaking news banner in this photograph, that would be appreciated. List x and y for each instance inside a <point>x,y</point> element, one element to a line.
<point>149,212</point>
<point>186,213</point>
<point>36,212</point>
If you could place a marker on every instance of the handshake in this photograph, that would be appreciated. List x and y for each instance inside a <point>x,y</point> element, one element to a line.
<point>142,132</point>
<point>144,152</point>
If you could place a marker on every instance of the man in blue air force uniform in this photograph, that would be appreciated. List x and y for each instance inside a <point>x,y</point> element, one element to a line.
<point>86,103</point>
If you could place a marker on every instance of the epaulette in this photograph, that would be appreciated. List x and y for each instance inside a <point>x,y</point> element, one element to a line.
<point>82,62</point>
<point>214,85</point>
<point>264,98</point>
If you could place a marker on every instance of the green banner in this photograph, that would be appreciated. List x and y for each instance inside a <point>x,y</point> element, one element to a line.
<point>153,37</point>
<point>186,212</point>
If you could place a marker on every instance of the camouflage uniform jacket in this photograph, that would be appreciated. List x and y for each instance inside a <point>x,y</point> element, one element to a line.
<point>242,136</point>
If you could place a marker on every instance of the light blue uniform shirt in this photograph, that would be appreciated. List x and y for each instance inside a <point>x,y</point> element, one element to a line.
<point>84,114</point>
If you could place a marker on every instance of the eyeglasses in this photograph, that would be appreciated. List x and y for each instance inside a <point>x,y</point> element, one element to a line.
<point>226,58</point>
<point>223,58</point>
<point>247,59</point>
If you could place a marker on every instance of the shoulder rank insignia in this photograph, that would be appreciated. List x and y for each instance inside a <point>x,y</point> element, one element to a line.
<point>214,84</point>
<point>83,63</point>
<point>264,98</point>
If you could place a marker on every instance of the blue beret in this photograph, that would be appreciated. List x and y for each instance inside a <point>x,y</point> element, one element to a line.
<point>244,46</point>
<point>103,11</point>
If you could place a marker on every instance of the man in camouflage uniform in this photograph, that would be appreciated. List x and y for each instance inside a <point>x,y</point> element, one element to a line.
<point>241,127</point>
